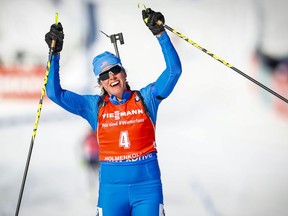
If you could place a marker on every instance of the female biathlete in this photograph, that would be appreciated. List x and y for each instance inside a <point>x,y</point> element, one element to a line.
<point>124,124</point>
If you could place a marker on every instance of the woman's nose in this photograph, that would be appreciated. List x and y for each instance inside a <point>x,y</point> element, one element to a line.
<point>111,74</point>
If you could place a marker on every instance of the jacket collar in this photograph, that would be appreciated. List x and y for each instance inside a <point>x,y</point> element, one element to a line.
<point>126,95</point>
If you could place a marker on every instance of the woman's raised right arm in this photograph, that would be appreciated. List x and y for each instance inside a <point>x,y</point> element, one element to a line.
<point>82,105</point>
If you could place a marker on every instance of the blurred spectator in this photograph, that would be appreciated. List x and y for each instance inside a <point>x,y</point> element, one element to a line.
<point>90,149</point>
<point>271,56</point>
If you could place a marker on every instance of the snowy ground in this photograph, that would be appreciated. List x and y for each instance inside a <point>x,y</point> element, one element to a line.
<point>222,150</point>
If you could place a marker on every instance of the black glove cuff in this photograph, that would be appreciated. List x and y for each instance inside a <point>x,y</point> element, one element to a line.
<point>156,29</point>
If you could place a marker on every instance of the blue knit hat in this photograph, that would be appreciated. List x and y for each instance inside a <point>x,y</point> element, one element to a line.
<point>103,60</point>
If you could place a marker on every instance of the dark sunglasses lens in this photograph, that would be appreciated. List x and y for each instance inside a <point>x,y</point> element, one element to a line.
<point>116,69</point>
<point>105,75</point>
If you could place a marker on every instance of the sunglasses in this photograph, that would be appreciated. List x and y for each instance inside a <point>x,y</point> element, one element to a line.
<point>105,75</point>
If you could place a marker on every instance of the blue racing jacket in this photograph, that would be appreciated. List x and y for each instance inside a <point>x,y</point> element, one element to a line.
<point>86,106</point>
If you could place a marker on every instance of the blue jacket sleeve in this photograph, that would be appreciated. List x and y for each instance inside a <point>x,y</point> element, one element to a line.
<point>82,105</point>
<point>155,92</point>
<point>87,105</point>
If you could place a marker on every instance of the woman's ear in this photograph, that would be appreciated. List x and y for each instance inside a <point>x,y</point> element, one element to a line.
<point>100,84</point>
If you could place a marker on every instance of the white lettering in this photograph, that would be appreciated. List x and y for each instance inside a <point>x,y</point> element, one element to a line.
<point>116,115</point>
<point>125,122</point>
<point>113,124</point>
<point>128,158</point>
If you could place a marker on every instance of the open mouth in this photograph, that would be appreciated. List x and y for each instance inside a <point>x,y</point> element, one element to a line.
<point>113,84</point>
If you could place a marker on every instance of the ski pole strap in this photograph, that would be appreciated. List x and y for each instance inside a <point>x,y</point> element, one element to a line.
<point>224,62</point>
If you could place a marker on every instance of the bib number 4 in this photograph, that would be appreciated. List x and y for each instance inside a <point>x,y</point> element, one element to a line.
<point>124,140</point>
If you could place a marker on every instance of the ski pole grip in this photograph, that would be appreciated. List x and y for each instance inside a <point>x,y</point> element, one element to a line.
<point>159,22</point>
<point>53,44</point>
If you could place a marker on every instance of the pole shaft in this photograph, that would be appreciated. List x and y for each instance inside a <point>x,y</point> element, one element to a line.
<point>24,177</point>
<point>53,44</point>
<point>34,133</point>
<point>225,63</point>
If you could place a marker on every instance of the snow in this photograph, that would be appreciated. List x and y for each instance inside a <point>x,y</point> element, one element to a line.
<point>222,148</point>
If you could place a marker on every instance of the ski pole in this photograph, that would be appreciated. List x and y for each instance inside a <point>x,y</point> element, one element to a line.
<point>53,43</point>
<point>223,62</point>
<point>216,57</point>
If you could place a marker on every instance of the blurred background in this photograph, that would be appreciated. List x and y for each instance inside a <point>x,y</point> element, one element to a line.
<point>222,140</point>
